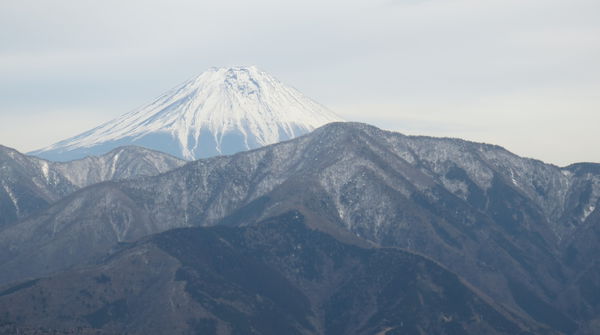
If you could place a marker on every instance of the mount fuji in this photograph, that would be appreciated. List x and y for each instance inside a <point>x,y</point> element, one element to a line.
<point>222,111</point>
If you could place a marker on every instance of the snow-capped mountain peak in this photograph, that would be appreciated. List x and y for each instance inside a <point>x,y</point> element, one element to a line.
<point>221,111</point>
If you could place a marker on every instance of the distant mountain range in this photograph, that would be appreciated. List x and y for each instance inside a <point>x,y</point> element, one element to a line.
<point>523,236</point>
<point>29,184</point>
<point>222,111</point>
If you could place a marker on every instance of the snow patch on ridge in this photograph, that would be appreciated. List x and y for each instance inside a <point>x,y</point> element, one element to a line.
<point>12,197</point>
<point>113,167</point>
<point>586,213</point>
<point>45,171</point>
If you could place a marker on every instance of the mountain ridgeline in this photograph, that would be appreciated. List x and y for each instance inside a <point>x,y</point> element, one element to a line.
<point>401,215</point>
<point>29,184</point>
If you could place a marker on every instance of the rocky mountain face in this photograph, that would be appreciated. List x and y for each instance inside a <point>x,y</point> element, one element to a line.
<point>275,277</point>
<point>522,232</point>
<point>222,111</point>
<point>29,184</point>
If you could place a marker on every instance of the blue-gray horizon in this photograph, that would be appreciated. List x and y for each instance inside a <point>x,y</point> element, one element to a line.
<point>523,75</point>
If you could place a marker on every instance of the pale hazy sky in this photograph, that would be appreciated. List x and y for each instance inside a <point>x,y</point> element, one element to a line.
<point>524,74</point>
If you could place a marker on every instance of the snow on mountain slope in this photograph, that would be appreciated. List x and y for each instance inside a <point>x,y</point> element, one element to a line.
<point>118,164</point>
<point>221,111</point>
<point>29,184</point>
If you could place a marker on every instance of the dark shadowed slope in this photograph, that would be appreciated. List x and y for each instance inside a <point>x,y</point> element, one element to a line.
<point>275,277</point>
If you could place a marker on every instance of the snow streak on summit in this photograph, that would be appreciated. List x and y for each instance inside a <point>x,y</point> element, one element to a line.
<point>221,111</point>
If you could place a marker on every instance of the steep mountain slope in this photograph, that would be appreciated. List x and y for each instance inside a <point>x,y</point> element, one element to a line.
<point>582,299</point>
<point>221,111</point>
<point>29,184</point>
<point>503,222</point>
<point>275,277</point>
<point>24,187</point>
<point>118,164</point>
